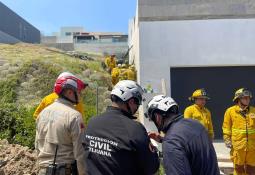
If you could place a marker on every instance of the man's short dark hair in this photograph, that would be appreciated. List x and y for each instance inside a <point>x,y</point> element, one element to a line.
<point>116,99</point>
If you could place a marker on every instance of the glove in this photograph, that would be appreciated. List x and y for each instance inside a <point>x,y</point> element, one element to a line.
<point>228,143</point>
<point>227,140</point>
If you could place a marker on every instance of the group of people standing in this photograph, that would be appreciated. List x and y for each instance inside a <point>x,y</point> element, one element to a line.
<point>238,127</point>
<point>115,143</point>
<point>119,71</point>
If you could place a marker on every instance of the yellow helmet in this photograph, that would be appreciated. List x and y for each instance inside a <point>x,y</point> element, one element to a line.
<point>199,93</point>
<point>243,92</point>
<point>123,65</point>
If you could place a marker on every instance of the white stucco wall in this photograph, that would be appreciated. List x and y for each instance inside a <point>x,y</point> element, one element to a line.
<point>189,43</point>
<point>133,41</point>
<point>193,43</point>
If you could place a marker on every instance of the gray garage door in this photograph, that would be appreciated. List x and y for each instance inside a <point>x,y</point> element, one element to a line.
<point>220,83</point>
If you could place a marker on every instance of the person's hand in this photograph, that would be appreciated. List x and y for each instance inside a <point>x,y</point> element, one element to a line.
<point>152,148</point>
<point>228,144</point>
<point>155,136</point>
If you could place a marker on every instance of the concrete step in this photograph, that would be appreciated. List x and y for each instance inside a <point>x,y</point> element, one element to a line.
<point>224,162</point>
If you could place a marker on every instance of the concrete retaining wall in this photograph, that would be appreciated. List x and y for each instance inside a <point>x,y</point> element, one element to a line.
<point>109,48</point>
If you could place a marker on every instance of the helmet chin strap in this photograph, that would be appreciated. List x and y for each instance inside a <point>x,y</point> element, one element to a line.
<point>70,100</point>
<point>159,126</point>
<point>243,105</point>
<point>129,109</point>
<point>166,121</point>
<point>76,97</point>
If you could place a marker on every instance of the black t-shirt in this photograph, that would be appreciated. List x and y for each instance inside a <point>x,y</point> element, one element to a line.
<point>115,144</point>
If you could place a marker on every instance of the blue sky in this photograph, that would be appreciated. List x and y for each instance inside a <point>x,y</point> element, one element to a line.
<point>94,15</point>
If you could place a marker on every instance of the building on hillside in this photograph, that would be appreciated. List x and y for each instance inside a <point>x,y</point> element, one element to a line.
<point>76,38</point>
<point>14,29</point>
<point>179,46</point>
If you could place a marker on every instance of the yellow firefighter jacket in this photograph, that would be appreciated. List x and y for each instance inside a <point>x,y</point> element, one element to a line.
<point>49,99</point>
<point>203,115</point>
<point>115,75</point>
<point>240,128</point>
<point>110,63</point>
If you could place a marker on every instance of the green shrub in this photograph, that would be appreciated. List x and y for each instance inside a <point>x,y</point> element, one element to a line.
<point>89,100</point>
<point>25,127</point>
<point>8,87</point>
<point>94,65</point>
<point>35,76</point>
<point>161,170</point>
<point>17,124</point>
<point>8,90</point>
<point>90,111</point>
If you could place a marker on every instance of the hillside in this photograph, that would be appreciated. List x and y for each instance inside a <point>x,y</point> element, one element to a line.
<point>28,73</point>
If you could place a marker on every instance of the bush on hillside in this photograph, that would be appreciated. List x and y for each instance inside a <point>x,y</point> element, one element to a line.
<point>27,75</point>
<point>17,125</point>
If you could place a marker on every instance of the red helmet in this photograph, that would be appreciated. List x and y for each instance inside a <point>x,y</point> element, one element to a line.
<point>69,82</point>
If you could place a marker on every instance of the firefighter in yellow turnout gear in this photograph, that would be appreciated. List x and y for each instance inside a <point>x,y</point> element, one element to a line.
<point>199,112</point>
<point>115,74</point>
<point>110,63</point>
<point>121,72</point>
<point>123,75</point>
<point>130,73</point>
<point>239,133</point>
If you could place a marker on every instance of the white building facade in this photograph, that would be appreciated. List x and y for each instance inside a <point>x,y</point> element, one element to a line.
<point>183,42</point>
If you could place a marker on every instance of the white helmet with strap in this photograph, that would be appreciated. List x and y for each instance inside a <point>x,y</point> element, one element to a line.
<point>161,103</point>
<point>127,89</point>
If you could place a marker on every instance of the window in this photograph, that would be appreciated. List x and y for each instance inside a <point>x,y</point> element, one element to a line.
<point>68,33</point>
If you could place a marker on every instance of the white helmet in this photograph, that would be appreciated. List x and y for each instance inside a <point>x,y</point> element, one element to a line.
<point>161,103</point>
<point>127,89</point>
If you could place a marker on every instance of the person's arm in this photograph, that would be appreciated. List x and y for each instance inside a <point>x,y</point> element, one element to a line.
<point>147,156</point>
<point>226,128</point>
<point>40,107</point>
<point>36,139</point>
<point>187,113</point>
<point>114,63</point>
<point>175,160</point>
<point>77,136</point>
<point>106,61</point>
<point>210,129</point>
<point>80,108</point>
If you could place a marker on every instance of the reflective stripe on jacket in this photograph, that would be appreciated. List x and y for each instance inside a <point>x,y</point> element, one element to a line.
<point>240,128</point>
